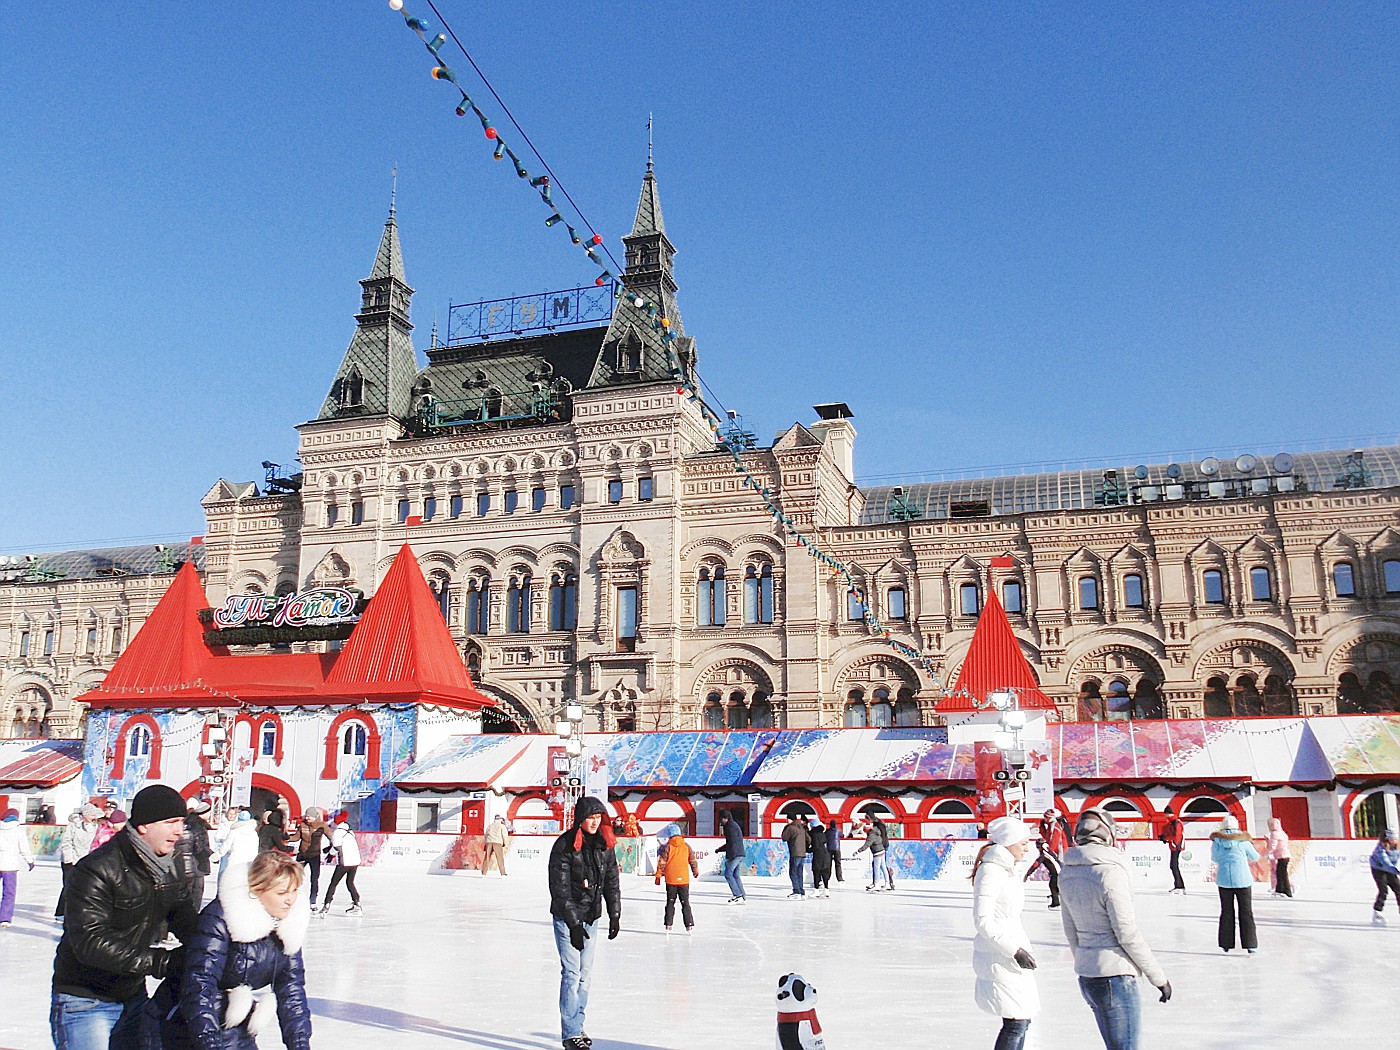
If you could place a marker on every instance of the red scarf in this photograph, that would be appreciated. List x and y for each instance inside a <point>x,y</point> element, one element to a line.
<point>609,839</point>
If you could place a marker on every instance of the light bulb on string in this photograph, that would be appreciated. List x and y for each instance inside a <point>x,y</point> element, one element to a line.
<point>396,5</point>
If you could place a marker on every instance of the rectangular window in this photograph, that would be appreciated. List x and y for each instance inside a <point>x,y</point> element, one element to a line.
<point>454,506</point>
<point>566,497</point>
<point>896,604</point>
<point>1343,578</point>
<point>512,500</point>
<point>483,504</point>
<point>627,614</point>
<point>48,643</point>
<point>969,599</point>
<point>430,508</point>
<point>1088,593</point>
<point>116,639</point>
<point>1214,587</point>
<point>1011,597</point>
<point>92,640</point>
<point>563,605</point>
<point>614,492</point>
<point>357,512</point>
<point>428,821</point>
<point>1132,591</point>
<point>1260,586</point>
<point>269,741</point>
<point>537,500</point>
<point>1391,571</point>
<point>403,511</point>
<point>332,515</point>
<point>855,608</point>
<point>644,490</point>
<point>24,643</point>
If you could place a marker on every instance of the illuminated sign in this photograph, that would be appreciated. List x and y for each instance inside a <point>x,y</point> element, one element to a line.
<point>317,607</point>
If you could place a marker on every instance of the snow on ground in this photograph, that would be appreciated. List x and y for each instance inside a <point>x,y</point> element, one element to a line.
<point>455,961</point>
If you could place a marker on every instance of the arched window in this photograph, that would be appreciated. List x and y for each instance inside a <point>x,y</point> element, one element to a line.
<point>1247,698</point>
<point>479,605</point>
<point>710,597</point>
<point>1011,599</point>
<point>1261,584</point>
<point>1147,700</point>
<point>518,605</point>
<point>1088,593</point>
<point>855,710</point>
<point>563,602</point>
<point>906,709</point>
<point>442,590</point>
<point>1133,597</point>
<point>1278,696</point>
<point>969,599</point>
<point>1213,584</point>
<point>1344,580</point>
<point>738,712</point>
<point>1118,705</point>
<point>1351,698</point>
<point>758,593</point>
<point>894,604</point>
<point>1205,807</point>
<point>1380,692</point>
<point>491,404</point>
<point>1217,699</point>
<point>1090,703</point>
<point>1390,576</point>
<point>881,710</point>
<point>712,717</point>
<point>761,712</point>
<point>139,744</point>
<point>353,390</point>
<point>354,740</point>
<point>1374,813</point>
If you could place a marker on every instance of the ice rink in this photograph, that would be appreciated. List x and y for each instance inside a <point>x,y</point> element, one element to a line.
<point>453,961</point>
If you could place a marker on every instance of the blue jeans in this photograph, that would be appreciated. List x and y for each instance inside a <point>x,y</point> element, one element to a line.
<point>1013,1034</point>
<point>1116,1007</point>
<point>91,1024</point>
<point>879,871</point>
<point>575,971</point>
<point>731,875</point>
<point>795,874</point>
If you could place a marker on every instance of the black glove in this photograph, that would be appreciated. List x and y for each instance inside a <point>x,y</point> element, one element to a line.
<point>1166,989</point>
<point>1024,959</point>
<point>165,962</point>
<point>614,927</point>
<point>577,935</point>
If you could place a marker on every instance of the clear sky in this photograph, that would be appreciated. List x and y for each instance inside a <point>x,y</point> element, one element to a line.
<point>1003,234</point>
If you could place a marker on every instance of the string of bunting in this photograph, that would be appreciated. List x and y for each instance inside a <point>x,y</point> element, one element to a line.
<point>661,324</point>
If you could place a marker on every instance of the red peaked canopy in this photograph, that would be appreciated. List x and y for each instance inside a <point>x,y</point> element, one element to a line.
<point>401,650</point>
<point>994,661</point>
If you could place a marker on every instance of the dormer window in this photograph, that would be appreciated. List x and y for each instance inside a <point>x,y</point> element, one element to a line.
<point>629,353</point>
<point>353,389</point>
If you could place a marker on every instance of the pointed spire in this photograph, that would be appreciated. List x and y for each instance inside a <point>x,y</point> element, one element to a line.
<point>995,661</point>
<point>648,220</point>
<point>388,261</point>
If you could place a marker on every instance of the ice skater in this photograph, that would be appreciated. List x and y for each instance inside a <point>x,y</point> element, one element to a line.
<point>497,843</point>
<point>311,843</point>
<point>1385,870</point>
<point>821,861</point>
<point>583,878</point>
<point>1232,850</point>
<point>346,850</point>
<point>76,844</point>
<point>677,865</point>
<point>1173,834</point>
<point>734,853</point>
<point>1001,949</point>
<point>877,844</point>
<point>1097,893</point>
<point>798,841</point>
<point>14,854</point>
<point>833,845</point>
<point>1050,847</point>
<point>1277,852</point>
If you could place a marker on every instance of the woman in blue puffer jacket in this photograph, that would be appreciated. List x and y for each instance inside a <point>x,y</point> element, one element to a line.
<point>1232,850</point>
<point>243,966</point>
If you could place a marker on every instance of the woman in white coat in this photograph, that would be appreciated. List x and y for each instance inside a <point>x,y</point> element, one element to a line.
<point>1001,955</point>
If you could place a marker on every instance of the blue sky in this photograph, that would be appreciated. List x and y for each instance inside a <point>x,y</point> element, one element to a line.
<point>1002,233</point>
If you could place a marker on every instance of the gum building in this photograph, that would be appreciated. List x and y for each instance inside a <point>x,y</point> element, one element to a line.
<point>588,541</point>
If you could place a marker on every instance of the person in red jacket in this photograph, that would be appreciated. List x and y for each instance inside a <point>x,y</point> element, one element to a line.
<point>1174,835</point>
<point>677,866</point>
<point>1051,846</point>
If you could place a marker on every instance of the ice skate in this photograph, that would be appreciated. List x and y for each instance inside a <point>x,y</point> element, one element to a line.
<point>354,909</point>
<point>1377,919</point>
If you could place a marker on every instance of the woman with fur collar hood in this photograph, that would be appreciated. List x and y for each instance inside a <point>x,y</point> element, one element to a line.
<point>1001,956</point>
<point>243,966</point>
<point>1232,850</point>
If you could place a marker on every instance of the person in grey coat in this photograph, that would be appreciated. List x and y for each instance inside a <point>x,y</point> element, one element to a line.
<point>1097,910</point>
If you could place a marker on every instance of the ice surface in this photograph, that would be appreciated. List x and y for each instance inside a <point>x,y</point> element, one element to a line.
<point>455,961</point>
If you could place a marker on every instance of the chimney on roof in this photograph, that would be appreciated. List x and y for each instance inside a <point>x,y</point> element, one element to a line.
<point>834,427</point>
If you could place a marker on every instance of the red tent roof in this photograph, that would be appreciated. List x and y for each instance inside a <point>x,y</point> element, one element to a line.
<point>994,661</point>
<point>400,650</point>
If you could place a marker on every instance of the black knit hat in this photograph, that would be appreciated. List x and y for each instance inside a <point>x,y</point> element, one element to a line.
<point>155,803</point>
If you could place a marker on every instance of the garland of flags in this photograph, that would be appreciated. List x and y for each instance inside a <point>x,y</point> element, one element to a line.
<point>661,324</point>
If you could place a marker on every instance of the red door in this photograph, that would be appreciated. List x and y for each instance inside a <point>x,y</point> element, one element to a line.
<point>1294,814</point>
<point>473,817</point>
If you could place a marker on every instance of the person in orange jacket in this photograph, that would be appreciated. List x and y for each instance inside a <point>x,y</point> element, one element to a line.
<point>677,865</point>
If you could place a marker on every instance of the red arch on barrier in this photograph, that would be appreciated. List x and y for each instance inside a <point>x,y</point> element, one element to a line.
<point>372,744</point>
<point>687,807</point>
<point>118,770</point>
<point>771,818</point>
<point>521,799</point>
<point>1179,801</point>
<point>260,780</point>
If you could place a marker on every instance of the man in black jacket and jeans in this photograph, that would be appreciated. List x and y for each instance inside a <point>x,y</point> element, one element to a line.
<point>583,876</point>
<point>120,899</point>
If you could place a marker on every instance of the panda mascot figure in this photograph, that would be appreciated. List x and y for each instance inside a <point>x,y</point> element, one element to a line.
<point>798,1027</point>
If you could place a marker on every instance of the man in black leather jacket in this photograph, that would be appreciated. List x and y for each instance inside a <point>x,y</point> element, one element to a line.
<point>121,897</point>
<point>583,877</point>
